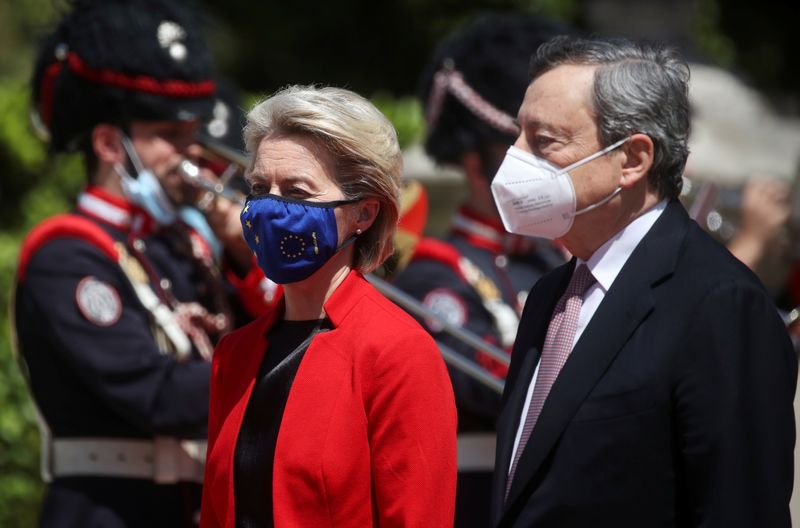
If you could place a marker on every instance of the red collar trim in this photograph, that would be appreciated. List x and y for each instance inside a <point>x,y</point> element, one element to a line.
<point>488,233</point>
<point>343,299</point>
<point>115,211</point>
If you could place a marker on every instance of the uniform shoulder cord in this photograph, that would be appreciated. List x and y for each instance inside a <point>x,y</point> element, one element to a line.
<point>505,317</point>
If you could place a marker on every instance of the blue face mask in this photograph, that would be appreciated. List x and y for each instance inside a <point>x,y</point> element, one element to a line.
<point>292,239</point>
<point>145,190</point>
<point>198,222</point>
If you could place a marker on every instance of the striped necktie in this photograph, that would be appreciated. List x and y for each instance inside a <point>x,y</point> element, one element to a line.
<point>556,350</point>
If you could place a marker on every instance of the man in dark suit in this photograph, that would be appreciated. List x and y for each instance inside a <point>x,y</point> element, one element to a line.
<point>651,382</point>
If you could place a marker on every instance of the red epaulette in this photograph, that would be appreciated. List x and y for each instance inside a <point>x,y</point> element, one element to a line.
<point>257,294</point>
<point>434,249</point>
<point>64,226</point>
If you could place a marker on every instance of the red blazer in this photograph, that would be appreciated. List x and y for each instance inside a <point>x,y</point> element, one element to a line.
<point>368,436</point>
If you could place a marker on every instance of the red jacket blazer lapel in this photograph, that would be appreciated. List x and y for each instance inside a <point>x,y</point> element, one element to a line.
<point>368,433</point>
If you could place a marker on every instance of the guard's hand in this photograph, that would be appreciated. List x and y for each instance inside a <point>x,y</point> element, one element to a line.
<point>765,207</point>
<point>223,217</point>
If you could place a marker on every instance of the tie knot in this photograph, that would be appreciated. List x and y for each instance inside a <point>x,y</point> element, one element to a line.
<point>581,280</point>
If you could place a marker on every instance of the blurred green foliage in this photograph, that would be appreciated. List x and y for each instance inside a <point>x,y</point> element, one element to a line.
<point>32,187</point>
<point>405,113</point>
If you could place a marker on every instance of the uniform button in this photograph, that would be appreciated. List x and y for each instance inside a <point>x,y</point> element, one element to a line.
<point>501,261</point>
<point>138,244</point>
<point>165,284</point>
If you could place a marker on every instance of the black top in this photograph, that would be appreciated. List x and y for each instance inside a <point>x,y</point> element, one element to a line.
<point>255,447</point>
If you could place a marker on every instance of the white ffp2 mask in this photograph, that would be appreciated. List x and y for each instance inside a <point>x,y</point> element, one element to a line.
<point>536,198</point>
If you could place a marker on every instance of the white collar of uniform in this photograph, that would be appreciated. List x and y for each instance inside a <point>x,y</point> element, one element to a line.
<point>606,263</point>
<point>104,210</point>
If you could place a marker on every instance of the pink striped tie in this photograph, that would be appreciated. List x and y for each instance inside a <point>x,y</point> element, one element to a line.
<point>556,350</point>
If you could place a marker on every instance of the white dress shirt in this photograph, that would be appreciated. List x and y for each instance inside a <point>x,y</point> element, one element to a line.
<point>604,264</point>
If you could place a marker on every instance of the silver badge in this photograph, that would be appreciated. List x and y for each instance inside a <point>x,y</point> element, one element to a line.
<point>98,301</point>
<point>218,126</point>
<point>447,305</point>
<point>170,36</point>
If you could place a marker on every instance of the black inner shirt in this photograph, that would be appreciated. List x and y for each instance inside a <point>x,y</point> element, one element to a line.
<point>255,446</point>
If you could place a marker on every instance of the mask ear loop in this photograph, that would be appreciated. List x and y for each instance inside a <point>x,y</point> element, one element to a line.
<point>594,156</point>
<point>127,144</point>
<point>600,203</point>
<point>586,160</point>
<point>352,238</point>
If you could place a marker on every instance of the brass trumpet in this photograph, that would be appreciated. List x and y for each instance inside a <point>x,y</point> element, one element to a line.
<point>229,164</point>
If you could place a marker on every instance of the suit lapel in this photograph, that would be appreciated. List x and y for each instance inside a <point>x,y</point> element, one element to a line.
<point>525,357</point>
<point>626,305</point>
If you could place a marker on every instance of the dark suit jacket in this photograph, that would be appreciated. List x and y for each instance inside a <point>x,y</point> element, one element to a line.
<point>674,408</point>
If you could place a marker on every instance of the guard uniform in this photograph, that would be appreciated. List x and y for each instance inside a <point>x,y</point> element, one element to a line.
<point>118,380</point>
<point>118,306</point>
<point>476,278</point>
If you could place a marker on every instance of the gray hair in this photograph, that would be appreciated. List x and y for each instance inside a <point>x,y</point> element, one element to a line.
<point>638,88</point>
<point>360,138</point>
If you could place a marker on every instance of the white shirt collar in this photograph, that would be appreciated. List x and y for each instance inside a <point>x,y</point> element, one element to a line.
<point>606,263</point>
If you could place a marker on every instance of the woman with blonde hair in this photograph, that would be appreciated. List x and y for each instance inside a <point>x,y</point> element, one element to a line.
<point>336,409</point>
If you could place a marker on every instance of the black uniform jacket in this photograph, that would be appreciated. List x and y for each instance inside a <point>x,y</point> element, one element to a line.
<point>95,371</point>
<point>481,241</point>
<point>674,408</point>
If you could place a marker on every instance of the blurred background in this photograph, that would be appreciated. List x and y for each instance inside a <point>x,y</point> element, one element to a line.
<point>745,95</point>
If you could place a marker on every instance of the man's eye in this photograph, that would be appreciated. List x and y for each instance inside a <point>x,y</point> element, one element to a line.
<point>543,141</point>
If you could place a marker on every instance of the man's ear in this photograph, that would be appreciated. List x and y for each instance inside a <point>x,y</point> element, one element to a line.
<point>107,144</point>
<point>474,171</point>
<point>366,213</point>
<point>638,161</point>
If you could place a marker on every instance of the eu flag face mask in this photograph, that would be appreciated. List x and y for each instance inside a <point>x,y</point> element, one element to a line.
<point>291,238</point>
<point>536,198</point>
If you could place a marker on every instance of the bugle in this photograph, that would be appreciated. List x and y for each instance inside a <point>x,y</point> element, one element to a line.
<point>226,162</point>
<point>191,175</point>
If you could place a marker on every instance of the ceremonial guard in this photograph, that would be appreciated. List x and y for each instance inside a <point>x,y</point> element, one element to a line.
<point>479,275</point>
<point>119,303</point>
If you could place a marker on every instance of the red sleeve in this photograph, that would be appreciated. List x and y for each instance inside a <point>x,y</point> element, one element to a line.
<point>412,430</point>
<point>257,294</point>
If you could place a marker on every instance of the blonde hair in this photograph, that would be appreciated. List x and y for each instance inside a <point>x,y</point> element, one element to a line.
<point>360,138</point>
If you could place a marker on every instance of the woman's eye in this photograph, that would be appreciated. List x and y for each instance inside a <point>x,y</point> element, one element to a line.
<point>259,189</point>
<point>296,192</point>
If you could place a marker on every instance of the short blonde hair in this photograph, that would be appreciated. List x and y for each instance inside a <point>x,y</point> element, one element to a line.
<point>360,138</point>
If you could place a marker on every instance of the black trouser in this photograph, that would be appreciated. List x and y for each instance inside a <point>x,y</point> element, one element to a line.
<point>94,502</point>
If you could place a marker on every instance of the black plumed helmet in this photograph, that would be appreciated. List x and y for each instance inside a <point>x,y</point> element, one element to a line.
<point>475,82</point>
<point>228,118</point>
<point>113,61</point>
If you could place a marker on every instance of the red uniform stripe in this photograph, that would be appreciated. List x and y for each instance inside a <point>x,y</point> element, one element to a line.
<point>139,83</point>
